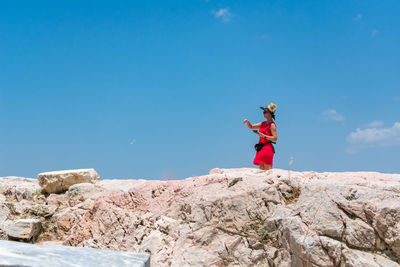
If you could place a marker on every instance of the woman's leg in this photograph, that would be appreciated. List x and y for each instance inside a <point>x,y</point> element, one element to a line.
<point>267,167</point>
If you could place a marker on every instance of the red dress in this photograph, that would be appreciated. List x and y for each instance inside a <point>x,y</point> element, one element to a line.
<point>266,154</point>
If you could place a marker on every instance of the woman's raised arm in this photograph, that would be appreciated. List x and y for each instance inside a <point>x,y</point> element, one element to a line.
<point>252,126</point>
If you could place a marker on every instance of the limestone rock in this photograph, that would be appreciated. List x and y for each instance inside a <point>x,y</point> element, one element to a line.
<point>82,189</point>
<point>359,234</point>
<point>26,208</point>
<point>386,221</point>
<point>26,229</point>
<point>40,210</point>
<point>282,259</point>
<point>60,181</point>
<point>320,212</point>
<point>4,212</point>
<point>268,218</point>
<point>22,254</point>
<point>19,188</point>
<point>354,258</point>
<point>333,247</point>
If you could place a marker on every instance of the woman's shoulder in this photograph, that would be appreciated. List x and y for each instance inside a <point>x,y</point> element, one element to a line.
<point>271,123</point>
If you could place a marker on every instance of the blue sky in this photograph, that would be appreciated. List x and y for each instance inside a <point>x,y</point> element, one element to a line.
<point>159,89</point>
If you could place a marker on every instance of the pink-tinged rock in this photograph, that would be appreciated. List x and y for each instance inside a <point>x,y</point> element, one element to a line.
<point>238,217</point>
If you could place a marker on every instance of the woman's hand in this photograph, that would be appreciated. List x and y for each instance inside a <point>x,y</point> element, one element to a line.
<point>262,135</point>
<point>252,126</point>
<point>248,123</point>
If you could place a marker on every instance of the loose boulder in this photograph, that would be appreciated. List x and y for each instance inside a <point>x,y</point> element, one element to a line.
<point>25,229</point>
<point>60,181</point>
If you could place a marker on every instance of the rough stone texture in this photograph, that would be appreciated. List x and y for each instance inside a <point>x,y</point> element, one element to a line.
<point>27,208</point>
<point>18,188</point>
<point>4,213</point>
<point>230,217</point>
<point>354,258</point>
<point>27,229</point>
<point>20,254</point>
<point>359,234</point>
<point>60,181</point>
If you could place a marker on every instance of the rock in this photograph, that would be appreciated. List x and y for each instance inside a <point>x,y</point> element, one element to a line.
<point>67,219</point>
<point>22,254</point>
<point>303,244</point>
<point>116,185</point>
<point>359,234</point>
<point>40,210</point>
<point>282,259</point>
<point>333,247</point>
<point>354,258</point>
<point>268,218</point>
<point>4,213</point>
<point>18,188</point>
<point>216,171</point>
<point>385,215</point>
<point>27,208</point>
<point>60,181</point>
<point>319,212</point>
<point>82,188</point>
<point>153,242</point>
<point>26,229</point>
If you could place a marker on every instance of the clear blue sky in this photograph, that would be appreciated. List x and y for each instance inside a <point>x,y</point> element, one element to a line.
<point>159,89</point>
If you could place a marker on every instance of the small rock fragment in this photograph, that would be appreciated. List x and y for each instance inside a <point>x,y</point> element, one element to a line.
<point>26,229</point>
<point>234,181</point>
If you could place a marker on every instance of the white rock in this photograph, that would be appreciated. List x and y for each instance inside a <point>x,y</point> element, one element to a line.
<point>22,254</point>
<point>60,181</point>
<point>23,228</point>
<point>82,188</point>
<point>4,212</point>
<point>359,234</point>
<point>333,247</point>
<point>386,221</point>
<point>19,188</point>
<point>354,258</point>
<point>153,242</point>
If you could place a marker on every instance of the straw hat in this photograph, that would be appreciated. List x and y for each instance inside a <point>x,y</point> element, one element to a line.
<point>271,108</point>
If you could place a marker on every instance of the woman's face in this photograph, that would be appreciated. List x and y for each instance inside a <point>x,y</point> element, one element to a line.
<point>267,115</point>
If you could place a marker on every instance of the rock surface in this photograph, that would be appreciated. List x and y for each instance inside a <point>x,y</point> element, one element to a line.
<point>20,254</point>
<point>19,188</point>
<point>26,229</point>
<point>230,217</point>
<point>60,181</point>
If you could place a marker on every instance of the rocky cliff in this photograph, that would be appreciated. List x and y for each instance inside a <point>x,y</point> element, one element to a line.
<point>230,217</point>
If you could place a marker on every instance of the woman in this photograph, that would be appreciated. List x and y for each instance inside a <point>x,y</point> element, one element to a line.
<point>267,133</point>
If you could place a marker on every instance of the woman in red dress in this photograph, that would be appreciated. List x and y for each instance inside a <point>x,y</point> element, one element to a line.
<point>267,133</point>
